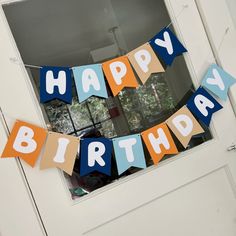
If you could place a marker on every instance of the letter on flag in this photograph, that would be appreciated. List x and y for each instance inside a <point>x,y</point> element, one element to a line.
<point>60,151</point>
<point>159,142</point>
<point>89,81</point>
<point>129,152</point>
<point>145,62</point>
<point>184,125</point>
<point>25,141</point>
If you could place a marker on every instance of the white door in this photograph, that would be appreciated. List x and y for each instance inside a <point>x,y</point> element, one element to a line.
<point>192,193</point>
<point>16,203</point>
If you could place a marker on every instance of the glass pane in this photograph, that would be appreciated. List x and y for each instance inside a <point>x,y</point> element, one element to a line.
<point>107,129</point>
<point>80,114</point>
<point>92,32</point>
<point>59,117</point>
<point>149,104</point>
<point>98,109</point>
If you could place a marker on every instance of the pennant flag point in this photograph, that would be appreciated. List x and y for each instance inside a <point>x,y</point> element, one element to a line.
<point>145,62</point>
<point>89,81</point>
<point>119,74</point>
<point>60,151</point>
<point>159,142</point>
<point>129,152</point>
<point>203,105</point>
<point>95,155</point>
<point>184,125</point>
<point>167,46</point>
<point>218,81</point>
<point>25,141</point>
<point>55,83</point>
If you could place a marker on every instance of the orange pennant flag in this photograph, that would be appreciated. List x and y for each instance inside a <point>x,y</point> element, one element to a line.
<point>25,141</point>
<point>119,74</point>
<point>60,151</point>
<point>159,142</point>
<point>145,62</point>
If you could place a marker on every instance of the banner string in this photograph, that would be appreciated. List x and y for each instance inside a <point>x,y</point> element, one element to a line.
<point>178,15</point>
<point>220,44</point>
<point>16,61</point>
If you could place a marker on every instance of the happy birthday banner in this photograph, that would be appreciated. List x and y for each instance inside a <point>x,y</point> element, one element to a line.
<point>26,141</point>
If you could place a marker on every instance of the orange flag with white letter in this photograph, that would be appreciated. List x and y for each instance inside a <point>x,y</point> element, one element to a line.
<point>25,141</point>
<point>145,62</point>
<point>159,142</point>
<point>60,151</point>
<point>119,74</point>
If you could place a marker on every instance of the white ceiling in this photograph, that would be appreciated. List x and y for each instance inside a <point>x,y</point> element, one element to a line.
<point>63,32</point>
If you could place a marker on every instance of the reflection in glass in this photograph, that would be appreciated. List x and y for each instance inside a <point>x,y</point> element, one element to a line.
<point>98,109</point>
<point>58,116</point>
<point>79,114</point>
<point>147,104</point>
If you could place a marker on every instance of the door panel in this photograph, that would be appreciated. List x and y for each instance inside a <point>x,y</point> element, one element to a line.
<point>198,179</point>
<point>18,213</point>
<point>208,197</point>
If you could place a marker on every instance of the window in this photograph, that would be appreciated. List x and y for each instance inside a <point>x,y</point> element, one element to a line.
<point>62,33</point>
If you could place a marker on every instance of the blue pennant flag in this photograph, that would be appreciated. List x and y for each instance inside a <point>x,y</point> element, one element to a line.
<point>95,155</point>
<point>129,152</point>
<point>218,81</point>
<point>203,105</point>
<point>89,81</point>
<point>55,83</point>
<point>167,46</point>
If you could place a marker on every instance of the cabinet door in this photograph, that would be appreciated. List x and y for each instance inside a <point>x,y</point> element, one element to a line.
<point>192,193</point>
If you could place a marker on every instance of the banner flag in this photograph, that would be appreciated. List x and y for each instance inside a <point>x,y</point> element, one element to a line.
<point>89,81</point>
<point>167,46</point>
<point>119,74</point>
<point>55,83</point>
<point>129,152</point>
<point>25,141</point>
<point>218,81</point>
<point>159,142</point>
<point>145,62</point>
<point>95,155</point>
<point>184,125</point>
<point>203,105</point>
<point>60,151</point>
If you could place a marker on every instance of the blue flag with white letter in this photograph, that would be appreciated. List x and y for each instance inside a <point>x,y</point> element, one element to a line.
<point>89,81</point>
<point>167,46</point>
<point>129,152</point>
<point>95,155</point>
<point>218,81</point>
<point>203,105</point>
<point>55,83</point>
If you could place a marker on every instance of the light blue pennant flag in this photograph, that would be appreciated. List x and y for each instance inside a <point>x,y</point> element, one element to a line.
<point>89,81</point>
<point>218,81</point>
<point>129,152</point>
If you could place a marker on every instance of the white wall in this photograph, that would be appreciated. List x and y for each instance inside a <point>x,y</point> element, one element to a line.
<point>232,8</point>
